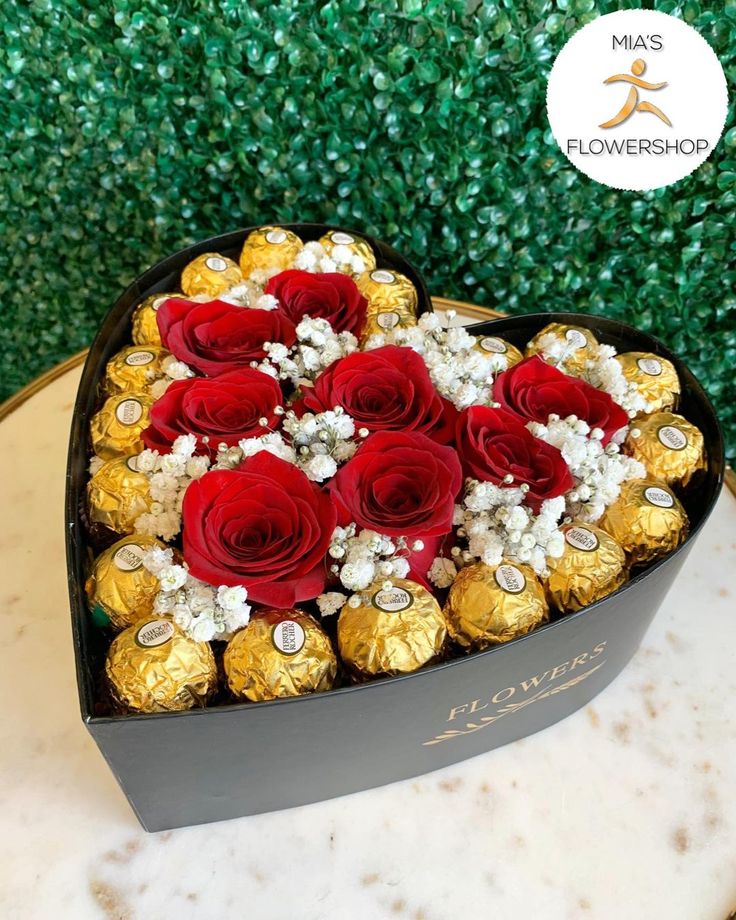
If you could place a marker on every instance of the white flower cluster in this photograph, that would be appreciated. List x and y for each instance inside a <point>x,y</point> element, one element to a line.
<point>249,294</point>
<point>168,475</point>
<point>322,441</point>
<point>605,373</point>
<point>314,258</point>
<point>361,558</point>
<point>201,610</point>
<point>173,370</point>
<point>556,349</point>
<point>496,525</point>
<point>598,471</point>
<point>460,372</point>
<point>316,348</point>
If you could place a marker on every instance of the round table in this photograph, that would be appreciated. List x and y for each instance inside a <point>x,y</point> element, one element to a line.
<point>625,809</point>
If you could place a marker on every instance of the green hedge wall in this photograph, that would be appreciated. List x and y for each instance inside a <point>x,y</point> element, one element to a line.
<point>133,127</point>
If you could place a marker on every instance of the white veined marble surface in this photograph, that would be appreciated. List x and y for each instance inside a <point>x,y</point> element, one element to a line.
<point>625,810</point>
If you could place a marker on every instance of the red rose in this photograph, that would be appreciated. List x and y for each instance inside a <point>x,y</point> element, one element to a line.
<point>217,337</point>
<point>223,409</point>
<point>329,296</point>
<point>534,389</point>
<point>264,526</point>
<point>494,443</point>
<point>388,389</point>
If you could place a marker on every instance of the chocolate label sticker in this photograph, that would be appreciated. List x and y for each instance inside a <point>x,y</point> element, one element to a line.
<point>493,345</point>
<point>288,637</point>
<point>132,463</point>
<point>129,412</point>
<point>387,320</point>
<point>582,538</point>
<point>382,276</point>
<point>128,558</point>
<point>393,600</point>
<point>650,366</point>
<point>576,339</point>
<point>342,239</point>
<point>276,237</point>
<point>154,633</point>
<point>139,358</point>
<point>510,579</point>
<point>660,498</point>
<point>672,437</point>
<point>216,264</point>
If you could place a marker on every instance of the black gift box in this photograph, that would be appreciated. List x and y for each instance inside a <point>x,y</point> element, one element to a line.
<point>230,760</point>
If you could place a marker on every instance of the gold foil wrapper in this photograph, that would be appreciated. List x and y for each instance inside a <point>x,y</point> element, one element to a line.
<point>387,290</point>
<point>386,323</point>
<point>492,345</point>
<point>647,520</point>
<point>116,428</point>
<point>279,653</point>
<point>210,274</point>
<point>655,378</point>
<point>671,448</point>
<point>144,323</point>
<point>491,604</point>
<point>580,343</point>
<point>591,566</point>
<point>155,667</point>
<point>117,494</point>
<point>120,585</point>
<point>357,246</point>
<point>268,249</point>
<point>134,369</point>
<point>393,631</point>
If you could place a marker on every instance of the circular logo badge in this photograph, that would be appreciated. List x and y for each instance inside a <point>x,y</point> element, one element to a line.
<point>132,463</point>
<point>288,637</point>
<point>650,366</point>
<point>393,600</point>
<point>216,264</point>
<point>342,239</point>
<point>128,558</point>
<point>493,345</point>
<point>658,497</point>
<point>129,411</point>
<point>576,339</point>
<point>139,358</point>
<point>510,579</point>
<point>637,99</point>
<point>672,437</point>
<point>382,276</point>
<point>387,320</point>
<point>581,538</point>
<point>154,633</point>
<point>276,236</point>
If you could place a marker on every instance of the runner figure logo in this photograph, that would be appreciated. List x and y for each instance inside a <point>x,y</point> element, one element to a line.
<point>632,103</point>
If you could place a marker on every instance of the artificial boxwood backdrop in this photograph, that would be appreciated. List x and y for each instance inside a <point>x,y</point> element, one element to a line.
<point>133,127</point>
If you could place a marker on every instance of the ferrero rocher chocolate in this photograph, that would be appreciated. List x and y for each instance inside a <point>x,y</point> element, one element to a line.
<point>655,378</point>
<point>591,566</point>
<point>492,345</point>
<point>392,630</point>
<point>155,667</point>
<point>117,493</point>
<point>116,428</point>
<point>490,604</point>
<point>580,345</point>
<point>355,244</point>
<point>210,274</point>
<point>134,369</point>
<point>386,322</point>
<point>144,324</point>
<point>119,584</point>
<point>269,248</point>
<point>387,290</point>
<point>670,447</point>
<point>647,520</point>
<point>279,653</point>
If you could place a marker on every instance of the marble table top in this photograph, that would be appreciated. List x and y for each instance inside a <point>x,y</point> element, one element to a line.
<point>624,810</point>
